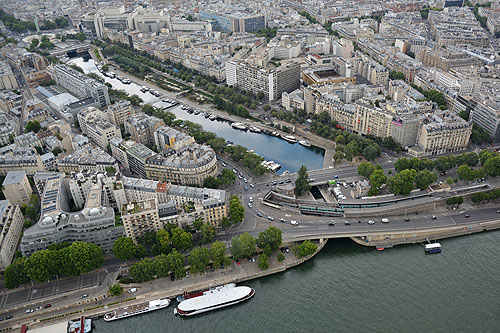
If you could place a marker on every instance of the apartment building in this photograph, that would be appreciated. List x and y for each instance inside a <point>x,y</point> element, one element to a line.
<point>17,188</point>
<point>93,224</point>
<point>7,78</point>
<point>82,85</point>
<point>132,155</point>
<point>140,217</point>
<point>7,128</point>
<point>86,158</point>
<point>169,138</point>
<point>94,123</point>
<point>11,226</point>
<point>119,112</point>
<point>190,165</point>
<point>25,159</point>
<point>141,127</point>
<point>271,81</point>
<point>441,132</point>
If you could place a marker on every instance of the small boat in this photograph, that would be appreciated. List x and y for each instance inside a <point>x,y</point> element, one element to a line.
<point>305,143</point>
<point>380,248</point>
<point>271,165</point>
<point>433,248</point>
<point>212,117</point>
<point>289,138</point>
<point>196,112</point>
<point>133,310</point>
<point>126,81</point>
<point>213,299</point>
<point>112,75</point>
<point>276,134</point>
<point>239,126</point>
<point>190,111</point>
<point>255,129</point>
<point>144,89</point>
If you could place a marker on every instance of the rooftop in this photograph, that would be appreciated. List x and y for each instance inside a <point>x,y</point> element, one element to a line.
<point>14,177</point>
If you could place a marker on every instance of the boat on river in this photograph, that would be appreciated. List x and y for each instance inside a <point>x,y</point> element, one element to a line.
<point>271,165</point>
<point>239,126</point>
<point>289,138</point>
<point>198,293</point>
<point>214,299</point>
<point>255,129</point>
<point>212,117</point>
<point>433,248</point>
<point>137,309</point>
<point>305,143</point>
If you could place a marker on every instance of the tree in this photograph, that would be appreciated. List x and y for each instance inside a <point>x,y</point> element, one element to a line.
<point>38,266</point>
<point>340,139</point>
<point>370,152</point>
<point>162,239</point>
<point>140,251</point>
<point>81,257</point>
<point>305,249</point>
<point>227,176</point>
<point>267,107</point>
<point>449,180</point>
<point>302,182</point>
<point>272,236</point>
<point>176,264</point>
<point>211,182</point>
<point>32,126</point>
<point>243,246</point>
<point>377,179</point>
<point>425,178</point>
<point>161,266</point>
<point>263,261</point>
<point>198,223</point>
<point>15,274</point>
<point>280,257</point>
<point>218,255</point>
<point>236,209</point>
<point>492,166</point>
<point>365,169</point>
<point>182,240</point>
<point>207,233</point>
<point>338,157</point>
<point>124,248</point>
<point>199,259</point>
<point>403,182</point>
<point>116,289</point>
<point>402,164</point>
<point>143,270</point>
<point>464,172</point>
<point>393,75</point>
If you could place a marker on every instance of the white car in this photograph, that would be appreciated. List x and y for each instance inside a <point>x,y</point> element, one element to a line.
<point>371,222</point>
<point>385,220</point>
<point>132,290</point>
<point>249,205</point>
<point>251,199</point>
<point>293,222</point>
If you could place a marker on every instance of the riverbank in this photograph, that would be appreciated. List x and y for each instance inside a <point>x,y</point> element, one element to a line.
<point>164,288</point>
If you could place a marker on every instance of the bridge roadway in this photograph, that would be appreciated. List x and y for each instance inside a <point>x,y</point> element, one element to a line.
<point>316,229</point>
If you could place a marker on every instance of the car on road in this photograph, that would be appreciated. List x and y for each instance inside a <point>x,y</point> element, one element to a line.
<point>467,215</point>
<point>371,222</point>
<point>347,223</point>
<point>331,223</point>
<point>385,220</point>
<point>281,182</point>
<point>433,217</point>
<point>212,269</point>
<point>287,250</point>
<point>251,199</point>
<point>224,164</point>
<point>132,290</point>
<point>29,311</point>
<point>84,296</point>
<point>240,177</point>
<point>498,211</point>
<point>253,259</point>
<point>407,219</point>
<point>336,177</point>
<point>9,317</point>
<point>288,180</point>
<point>252,185</point>
<point>249,205</point>
<point>293,222</point>
<point>270,218</point>
<point>246,188</point>
<point>245,180</point>
<point>259,214</point>
<point>274,182</point>
<point>47,306</point>
<point>282,220</point>
<point>38,308</point>
<point>238,262</point>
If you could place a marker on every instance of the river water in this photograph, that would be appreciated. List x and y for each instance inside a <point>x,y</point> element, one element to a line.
<point>350,288</point>
<point>290,156</point>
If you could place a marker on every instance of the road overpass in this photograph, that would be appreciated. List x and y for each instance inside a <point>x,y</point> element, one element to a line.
<point>399,230</point>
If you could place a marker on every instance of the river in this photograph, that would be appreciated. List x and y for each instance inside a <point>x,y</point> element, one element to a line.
<point>350,288</point>
<point>290,156</point>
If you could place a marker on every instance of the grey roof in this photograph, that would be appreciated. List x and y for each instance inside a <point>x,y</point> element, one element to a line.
<point>14,177</point>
